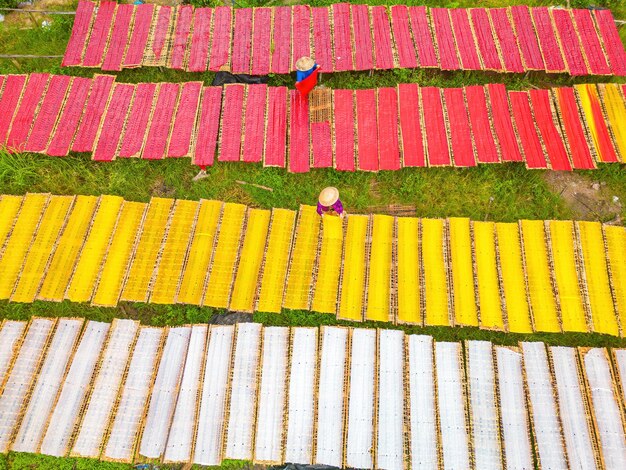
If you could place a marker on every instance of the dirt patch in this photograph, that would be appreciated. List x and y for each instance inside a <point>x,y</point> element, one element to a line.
<point>160,189</point>
<point>588,200</point>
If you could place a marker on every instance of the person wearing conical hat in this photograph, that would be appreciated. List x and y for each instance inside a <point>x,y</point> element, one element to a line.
<point>306,75</point>
<point>329,203</point>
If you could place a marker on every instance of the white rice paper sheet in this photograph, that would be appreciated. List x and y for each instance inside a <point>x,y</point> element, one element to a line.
<point>130,411</point>
<point>541,396</point>
<point>483,405</point>
<point>75,387</point>
<point>299,445</point>
<point>10,336</point>
<point>390,441</point>
<point>516,433</point>
<point>181,433</point>
<point>210,434</point>
<point>272,396</point>
<point>47,386</point>
<point>606,408</point>
<point>21,376</point>
<point>620,359</point>
<point>423,413</point>
<point>239,434</point>
<point>359,449</point>
<point>451,405</point>
<point>165,393</point>
<point>330,412</point>
<point>572,407</point>
<point>106,389</point>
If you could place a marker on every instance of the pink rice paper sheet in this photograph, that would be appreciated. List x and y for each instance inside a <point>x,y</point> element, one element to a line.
<point>119,38</point>
<point>382,38</point>
<point>161,30</point>
<point>299,147</point>
<point>445,39</point>
<point>281,40</point>
<point>94,109</point>
<point>573,129</point>
<point>611,41</point>
<point>322,42</point>
<point>548,42</point>
<point>435,127</point>
<point>182,31</point>
<point>69,119</point>
<point>276,128</point>
<point>541,102</point>
<point>94,52</point>
<point>137,125</point>
<point>388,142</point>
<point>222,36</point>
<point>242,41</point>
<point>502,123</point>
<point>8,102</point>
<point>592,48</point>
<point>200,40</point>
<point>108,140</point>
<point>527,38</point>
<point>507,41</point>
<point>208,126</point>
<point>261,37</point>
<point>460,132</point>
<point>322,144</point>
<point>410,126</point>
<point>572,49</point>
<point>367,130</point>
<point>80,33</point>
<point>181,142</point>
<point>231,123</point>
<point>363,45</point>
<point>423,36</point>
<point>486,147</point>
<point>23,120</point>
<point>160,126</point>
<point>254,123</point>
<point>301,42</point>
<point>407,56</point>
<point>342,51</point>
<point>525,125</point>
<point>465,43</point>
<point>343,121</point>
<point>2,80</point>
<point>485,39</point>
<point>139,35</point>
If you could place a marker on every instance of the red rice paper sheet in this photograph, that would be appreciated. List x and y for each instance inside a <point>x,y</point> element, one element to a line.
<point>70,117</point>
<point>506,40</point>
<point>367,130</point>
<point>322,42</point>
<point>182,30</point>
<point>541,102</point>
<point>48,113</point>
<point>161,30</point>
<point>8,103</point>
<point>137,124</point>
<point>208,126</point>
<point>281,40</point>
<point>465,43</point>
<point>525,124</point>
<point>611,41</point>
<point>460,132</point>
<point>485,39</point>
<point>363,45</point>
<point>435,127</point>
<point>592,48</point>
<point>527,38</point>
<point>94,109</point>
<point>2,80</point>
<point>299,147</point>
<point>119,38</point>
<point>322,144</point>
<point>231,123</point>
<point>423,37</point>
<point>605,151</point>
<point>445,39</point>
<point>342,51</point>
<point>242,41</point>
<point>388,142</point>
<point>222,36</point>
<point>254,124</point>
<point>25,115</point>
<point>161,122</point>
<point>80,33</point>
<point>548,42</point>
<point>182,140</point>
<point>407,57</point>
<point>486,147</point>
<point>108,139</point>
<point>301,42</point>
<point>572,49</point>
<point>99,37</point>
<point>276,128</point>
<point>410,126</point>
<point>573,129</point>
<point>200,40</point>
<point>344,119</point>
<point>261,41</point>
<point>139,35</point>
<point>382,38</point>
<point>502,123</point>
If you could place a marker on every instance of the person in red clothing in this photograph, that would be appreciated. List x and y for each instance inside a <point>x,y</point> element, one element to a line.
<point>307,72</point>
<point>329,203</point>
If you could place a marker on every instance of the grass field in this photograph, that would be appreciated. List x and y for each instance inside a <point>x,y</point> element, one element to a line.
<point>500,192</point>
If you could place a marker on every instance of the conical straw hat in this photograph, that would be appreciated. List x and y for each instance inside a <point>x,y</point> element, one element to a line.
<point>304,64</point>
<point>329,196</point>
